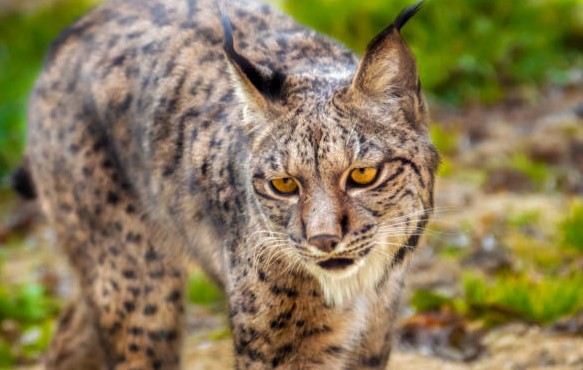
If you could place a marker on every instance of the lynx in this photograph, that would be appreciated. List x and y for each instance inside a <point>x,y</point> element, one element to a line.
<point>297,175</point>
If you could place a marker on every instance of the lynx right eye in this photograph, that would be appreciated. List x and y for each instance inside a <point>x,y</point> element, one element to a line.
<point>284,186</point>
<point>363,176</point>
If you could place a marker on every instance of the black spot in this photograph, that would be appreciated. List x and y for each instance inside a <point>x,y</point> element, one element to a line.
<point>163,335</point>
<point>150,309</point>
<point>133,237</point>
<point>134,291</point>
<point>262,276</point>
<point>372,361</point>
<point>132,347</point>
<point>129,274</point>
<point>282,354</point>
<point>175,296</point>
<point>112,198</point>
<point>129,306</point>
<point>136,331</point>
<point>281,320</point>
<point>151,254</point>
<point>289,292</point>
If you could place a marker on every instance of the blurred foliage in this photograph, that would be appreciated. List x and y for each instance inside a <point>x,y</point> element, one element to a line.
<point>27,314</point>
<point>541,300</point>
<point>507,297</point>
<point>447,143</point>
<point>445,140</point>
<point>204,292</point>
<point>466,50</point>
<point>537,172</point>
<point>24,39</point>
<point>572,227</point>
<point>425,300</point>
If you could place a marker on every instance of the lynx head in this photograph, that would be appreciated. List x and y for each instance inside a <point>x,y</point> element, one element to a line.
<point>341,165</point>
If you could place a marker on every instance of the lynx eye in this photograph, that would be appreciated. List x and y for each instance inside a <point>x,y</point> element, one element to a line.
<point>363,176</point>
<point>284,185</point>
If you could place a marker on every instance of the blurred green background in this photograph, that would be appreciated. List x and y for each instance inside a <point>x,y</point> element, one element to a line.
<point>487,56</point>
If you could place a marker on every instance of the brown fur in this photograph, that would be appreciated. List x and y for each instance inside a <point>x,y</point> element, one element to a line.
<point>149,139</point>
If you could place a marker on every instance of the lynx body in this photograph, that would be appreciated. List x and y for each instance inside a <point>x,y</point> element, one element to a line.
<point>298,176</point>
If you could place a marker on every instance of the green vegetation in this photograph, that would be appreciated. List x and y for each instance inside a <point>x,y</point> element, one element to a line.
<point>446,140</point>
<point>509,297</point>
<point>541,300</point>
<point>447,143</point>
<point>24,39</point>
<point>424,300</point>
<point>538,173</point>
<point>572,227</point>
<point>467,50</point>
<point>204,292</point>
<point>27,313</point>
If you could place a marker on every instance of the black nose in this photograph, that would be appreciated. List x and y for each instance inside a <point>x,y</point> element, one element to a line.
<point>325,243</point>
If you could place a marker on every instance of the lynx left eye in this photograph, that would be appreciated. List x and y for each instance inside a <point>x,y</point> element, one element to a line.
<point>363,176</point>
<point>284,185</point>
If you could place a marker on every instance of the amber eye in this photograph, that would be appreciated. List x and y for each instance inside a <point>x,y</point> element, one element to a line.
<point>285,185</point>
<point>363,176</point>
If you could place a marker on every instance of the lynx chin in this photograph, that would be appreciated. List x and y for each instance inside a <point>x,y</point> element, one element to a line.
<point>297,175</point>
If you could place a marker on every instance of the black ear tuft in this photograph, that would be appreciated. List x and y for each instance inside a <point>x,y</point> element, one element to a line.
<point>406,14</point>
<point>227,35</point>
<point>268,83</point>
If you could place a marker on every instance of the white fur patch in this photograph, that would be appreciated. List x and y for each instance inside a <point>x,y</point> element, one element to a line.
<point>342,286</point>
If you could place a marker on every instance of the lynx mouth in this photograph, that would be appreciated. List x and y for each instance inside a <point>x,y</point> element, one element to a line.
<point>336,263</point>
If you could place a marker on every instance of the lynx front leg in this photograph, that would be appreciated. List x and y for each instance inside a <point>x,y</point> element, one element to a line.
<point>139,306</point>
<point>280,320</point>
<point>383,309</point>
<point>130,311</point>
<point>75,344</point>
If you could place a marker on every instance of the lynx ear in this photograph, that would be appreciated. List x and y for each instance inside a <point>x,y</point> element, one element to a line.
<point>256,85</point>
<point>388,66</point>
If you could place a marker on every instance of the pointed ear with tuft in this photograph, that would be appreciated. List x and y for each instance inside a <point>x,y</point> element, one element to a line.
<point>256,85</point>
<point>388,67</point>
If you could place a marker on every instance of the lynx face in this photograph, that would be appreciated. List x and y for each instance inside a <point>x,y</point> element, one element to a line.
<point>341,172</point>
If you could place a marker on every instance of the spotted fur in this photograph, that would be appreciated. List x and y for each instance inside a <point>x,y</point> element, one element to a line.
<point>154,131</point>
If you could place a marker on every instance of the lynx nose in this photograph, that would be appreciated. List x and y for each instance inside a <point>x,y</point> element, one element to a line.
<point>325,243</point>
